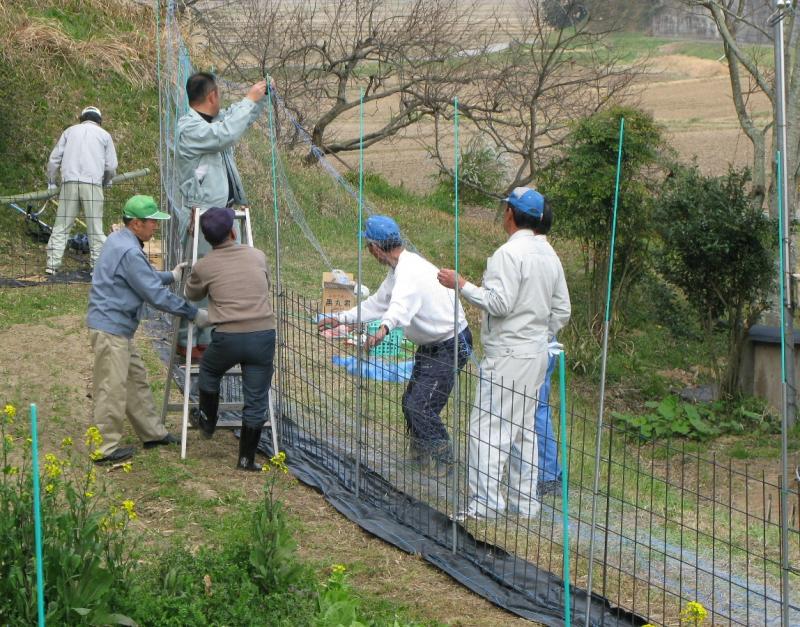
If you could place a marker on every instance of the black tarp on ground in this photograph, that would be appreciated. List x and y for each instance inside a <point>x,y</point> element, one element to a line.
<point>537,594</point>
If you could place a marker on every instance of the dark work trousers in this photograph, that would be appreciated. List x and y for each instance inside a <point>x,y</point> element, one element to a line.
<point>255,352</point>
<point>432,380</point>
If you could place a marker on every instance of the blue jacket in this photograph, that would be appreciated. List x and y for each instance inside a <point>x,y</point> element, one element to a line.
<point>123,280</point>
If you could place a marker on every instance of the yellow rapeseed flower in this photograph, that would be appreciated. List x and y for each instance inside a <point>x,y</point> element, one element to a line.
<point>91,476</point>
<point>128,506</point>
<point>49,488</point>
<point>96,454</point>
<point>88,495</point>
<point>127,466</point>
<point>279,461</point>
<point>10,412</point>
<point>93,437</point>
<point>338,569</point>
<point>52,466</point>
<point>66,442</point>
<point>694,613</point>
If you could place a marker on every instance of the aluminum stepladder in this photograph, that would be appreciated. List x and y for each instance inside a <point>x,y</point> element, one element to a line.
<point>245,232</point>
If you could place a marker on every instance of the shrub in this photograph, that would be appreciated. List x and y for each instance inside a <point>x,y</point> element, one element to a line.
<point>580,186</point>
<point>719,250</point>
<point>481,172</point>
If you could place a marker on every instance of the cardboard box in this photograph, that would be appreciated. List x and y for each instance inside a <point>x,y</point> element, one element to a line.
<point>153,251</point>
<point>337,296</point>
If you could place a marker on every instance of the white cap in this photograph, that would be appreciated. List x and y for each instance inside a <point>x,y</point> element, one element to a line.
<point>92,110</point>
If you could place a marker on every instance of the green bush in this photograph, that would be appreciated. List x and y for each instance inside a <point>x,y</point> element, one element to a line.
<point>86,564</point>
<point>580,186</point>
<point>719,250</point>
<point>481,171</point>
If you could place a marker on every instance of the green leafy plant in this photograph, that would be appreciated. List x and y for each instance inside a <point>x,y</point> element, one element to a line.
<point>674,418</point>
<point>481,171</point>
<point>273,557</point>
<point>336,603</point>
<point>86,564</point>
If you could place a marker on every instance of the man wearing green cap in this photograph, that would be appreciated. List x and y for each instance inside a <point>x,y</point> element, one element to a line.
<point>123,281</point>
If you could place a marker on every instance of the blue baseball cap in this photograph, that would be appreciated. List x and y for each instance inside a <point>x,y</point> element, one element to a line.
<point>382,229</point>
<point>526,200</point>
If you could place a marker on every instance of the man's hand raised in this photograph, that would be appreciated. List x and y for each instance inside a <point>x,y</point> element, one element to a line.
<point>257,91</point>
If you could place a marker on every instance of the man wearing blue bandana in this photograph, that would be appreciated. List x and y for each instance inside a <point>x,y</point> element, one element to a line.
<point>525,302</point>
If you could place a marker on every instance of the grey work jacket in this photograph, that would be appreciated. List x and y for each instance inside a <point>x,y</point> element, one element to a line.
<point>204,155</point>
<point>122,281</point>
<point>524,297</point>
<point>84,153</point>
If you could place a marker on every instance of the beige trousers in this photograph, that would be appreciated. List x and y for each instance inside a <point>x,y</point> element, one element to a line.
<point>73,196</point>
<point>120,389</point>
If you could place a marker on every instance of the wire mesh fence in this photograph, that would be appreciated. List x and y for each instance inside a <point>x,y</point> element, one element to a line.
<point>674,526</point>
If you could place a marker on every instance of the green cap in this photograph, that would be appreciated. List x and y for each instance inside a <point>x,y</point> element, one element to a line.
<point>144,208</point>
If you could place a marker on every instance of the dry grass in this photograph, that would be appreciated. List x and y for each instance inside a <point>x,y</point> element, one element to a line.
<point>44,44</point>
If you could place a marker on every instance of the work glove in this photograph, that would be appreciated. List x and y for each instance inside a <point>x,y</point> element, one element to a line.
<point>201,319</point>
<point>177,271</point>
<point>554,349</point>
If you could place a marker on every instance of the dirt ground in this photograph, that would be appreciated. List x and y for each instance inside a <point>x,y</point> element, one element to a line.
<point>52,365</point>
<point>689,96</point>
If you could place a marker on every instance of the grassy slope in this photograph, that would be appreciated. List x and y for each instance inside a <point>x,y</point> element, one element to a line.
<point>48,78</point>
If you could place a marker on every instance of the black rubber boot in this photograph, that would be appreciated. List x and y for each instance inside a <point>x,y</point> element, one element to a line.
<point>207,413</point>
<point>248,443</point>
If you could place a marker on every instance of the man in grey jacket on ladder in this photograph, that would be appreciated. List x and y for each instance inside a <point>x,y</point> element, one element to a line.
<point>207,172</point>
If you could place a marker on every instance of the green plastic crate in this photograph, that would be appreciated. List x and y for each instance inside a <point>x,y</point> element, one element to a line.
<point>393,345</point>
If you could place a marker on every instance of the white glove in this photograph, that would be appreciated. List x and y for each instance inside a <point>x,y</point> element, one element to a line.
<point>201,319</point>
<point>51,187</point>
<point>177,271</point>
<point>554,348</point>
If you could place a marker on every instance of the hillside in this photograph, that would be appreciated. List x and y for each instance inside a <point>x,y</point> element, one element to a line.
<point>59,56</point>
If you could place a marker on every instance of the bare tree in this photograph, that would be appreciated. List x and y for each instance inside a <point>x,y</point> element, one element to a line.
<point>404,56</point>
<point>526,95</point>
<point>752,72</point>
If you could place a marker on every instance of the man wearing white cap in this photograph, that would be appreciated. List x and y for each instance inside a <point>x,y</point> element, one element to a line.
<point>86,157</point>
<point>525,302</point>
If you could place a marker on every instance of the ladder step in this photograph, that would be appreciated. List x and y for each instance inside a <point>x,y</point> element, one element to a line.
<point>195,369</point>
<point>222,406</point>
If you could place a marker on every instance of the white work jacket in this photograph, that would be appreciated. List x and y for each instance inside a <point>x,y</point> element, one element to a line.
<point>412,298</point>
<point>84,153</point>
<point>524,297</point>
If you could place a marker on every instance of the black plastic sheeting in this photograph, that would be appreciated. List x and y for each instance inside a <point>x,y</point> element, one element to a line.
<point>537,594</point>
<point>72,276</point>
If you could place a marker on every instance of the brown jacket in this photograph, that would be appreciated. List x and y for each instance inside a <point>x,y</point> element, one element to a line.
<point>236,280</point>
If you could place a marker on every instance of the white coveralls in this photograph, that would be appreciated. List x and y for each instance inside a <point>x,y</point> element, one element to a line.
<point>525,301</point>
<point>86,156</point>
